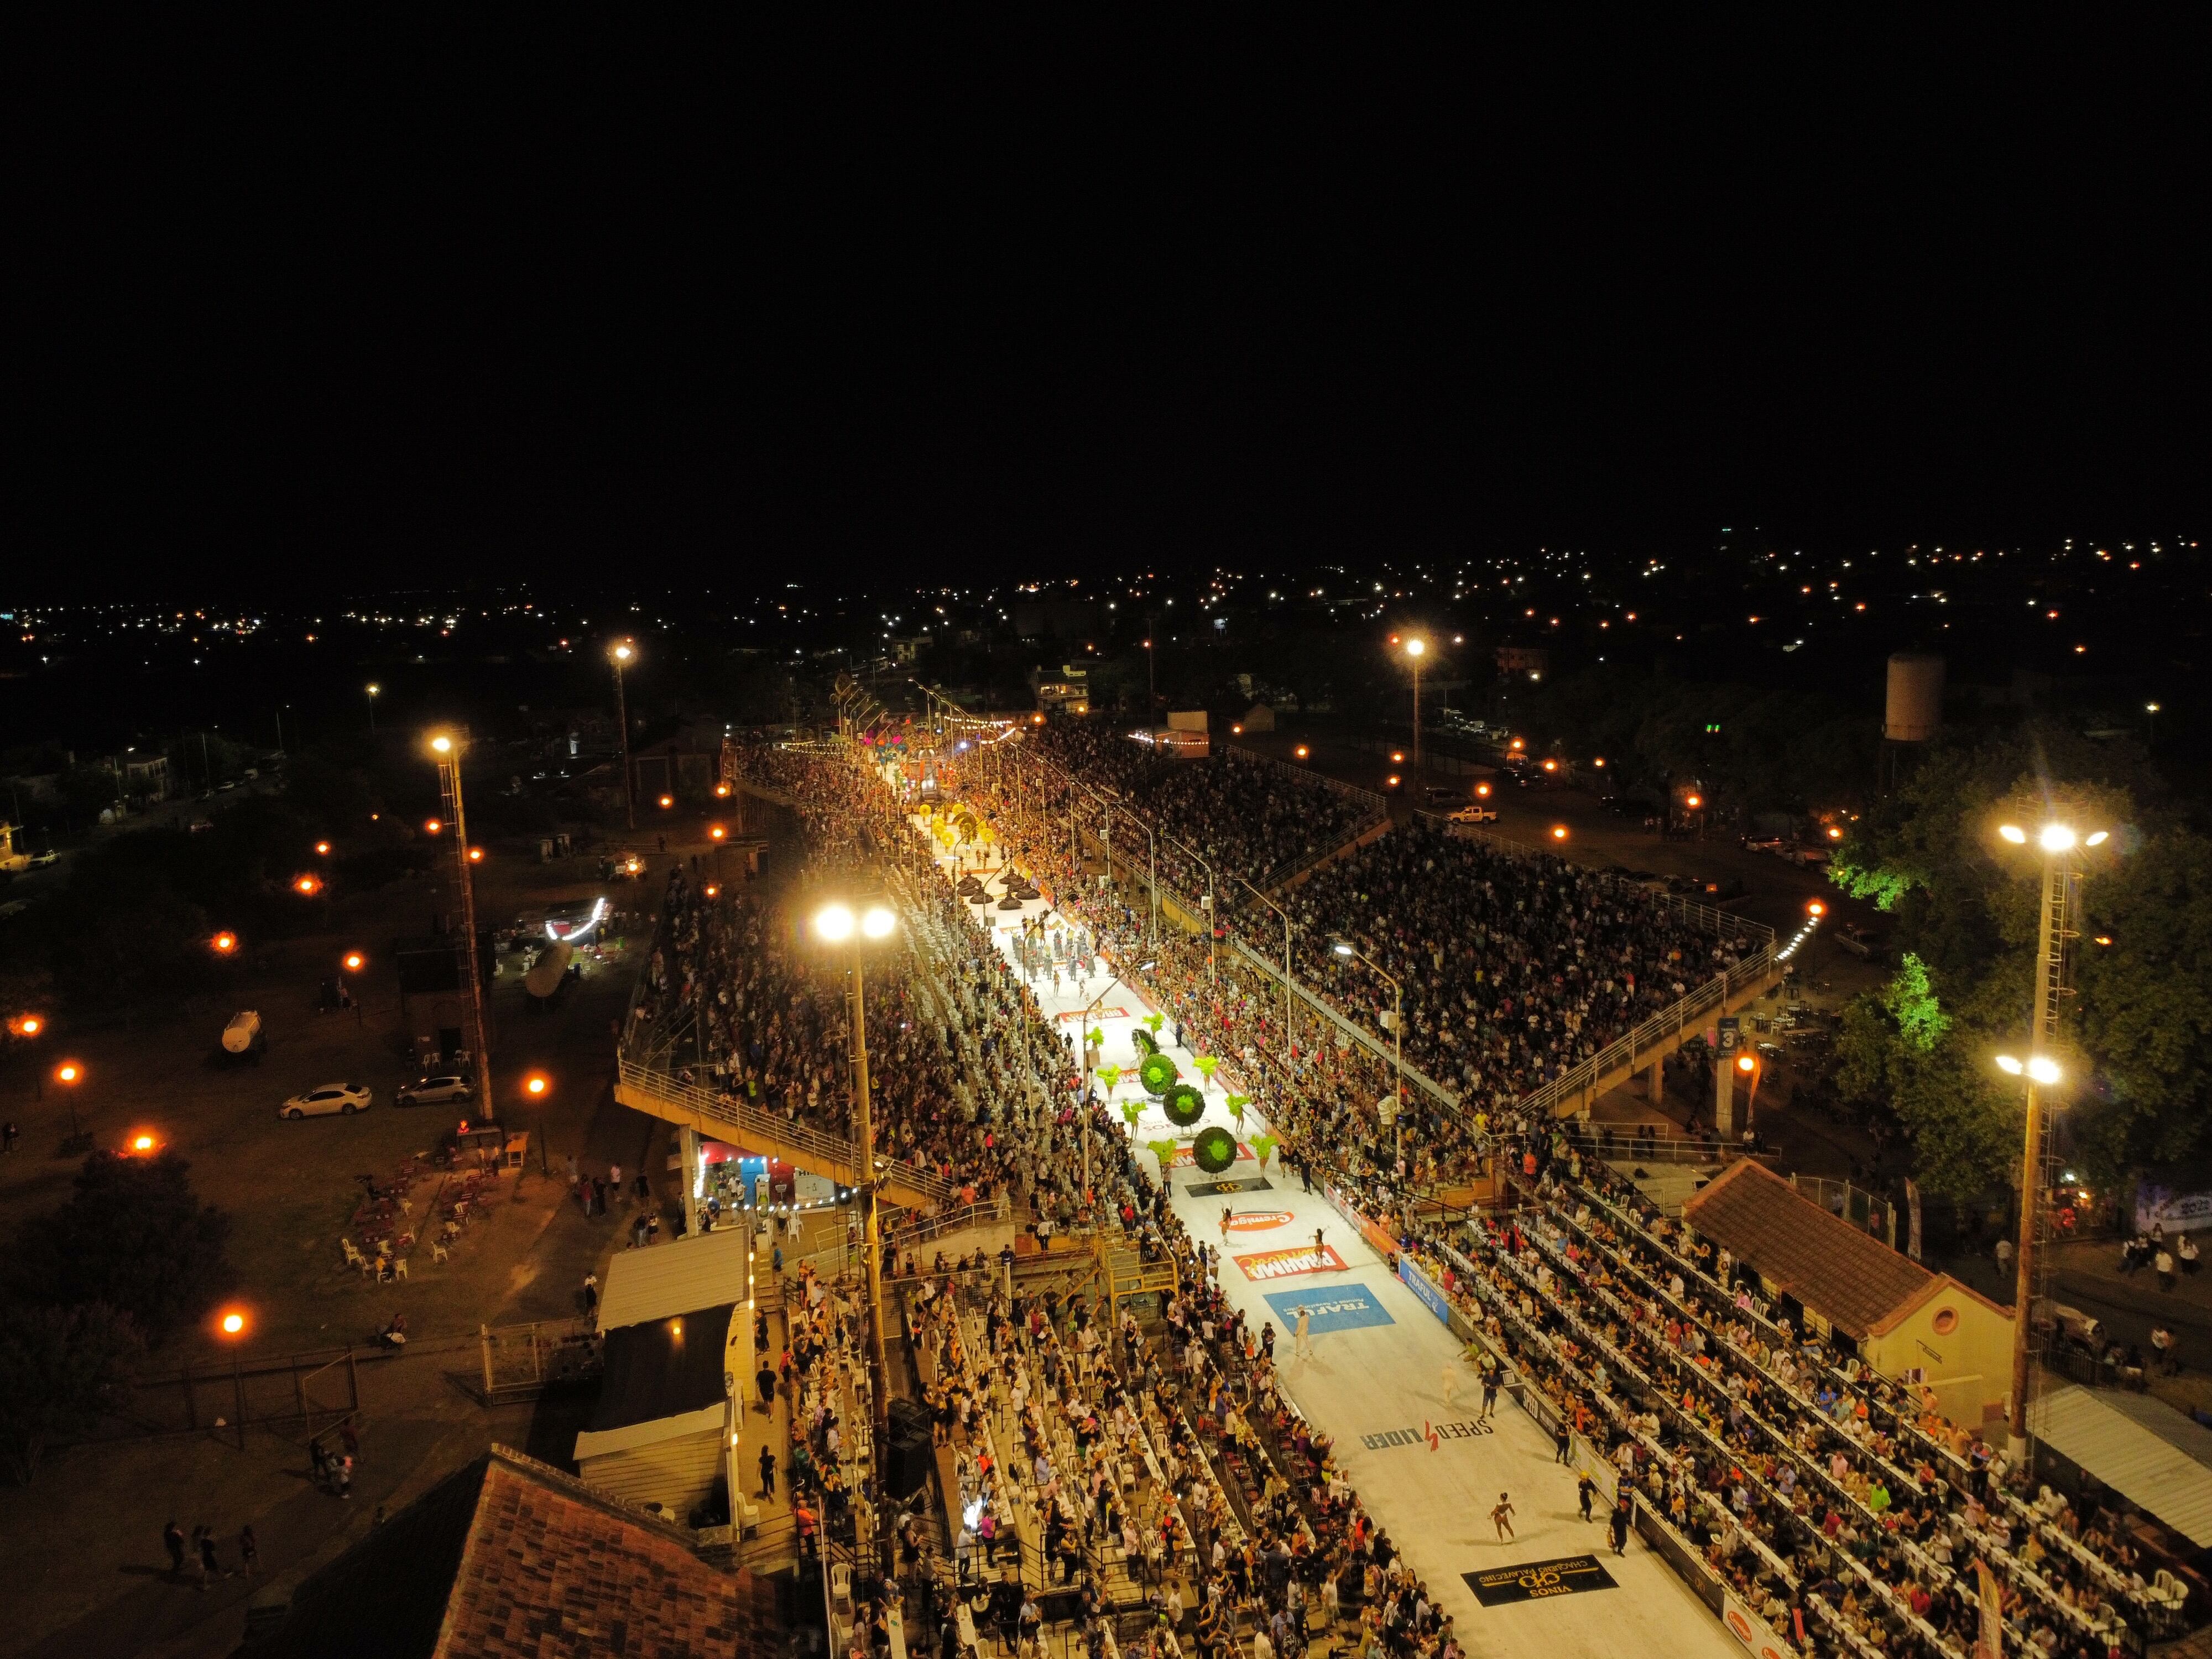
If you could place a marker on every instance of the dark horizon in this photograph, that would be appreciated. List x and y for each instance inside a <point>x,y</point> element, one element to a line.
<point>458,327</point>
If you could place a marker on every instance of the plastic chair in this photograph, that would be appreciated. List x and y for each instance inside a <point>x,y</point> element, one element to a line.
<point>438,1251</point>
<point>399,1268</point>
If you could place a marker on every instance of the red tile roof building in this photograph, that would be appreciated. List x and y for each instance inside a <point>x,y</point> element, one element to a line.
<point>508,1558</point>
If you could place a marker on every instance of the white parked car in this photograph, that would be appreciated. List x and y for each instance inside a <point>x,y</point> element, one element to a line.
<point>433,1091</point>
<point>330,1099</point>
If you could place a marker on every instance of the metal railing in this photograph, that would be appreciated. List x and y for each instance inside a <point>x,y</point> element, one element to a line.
<point>946,1221</point>
<point>1661,1029</point>
<point>836,1152</point>
<point>1306,775</point>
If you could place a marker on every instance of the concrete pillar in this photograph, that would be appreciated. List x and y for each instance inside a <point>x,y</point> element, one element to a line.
<point>1655,1082</point>
<point>1725,1098</point>
<point>690,1138</point>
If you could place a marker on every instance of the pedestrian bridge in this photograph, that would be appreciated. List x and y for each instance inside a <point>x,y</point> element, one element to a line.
<point>770,1135</point>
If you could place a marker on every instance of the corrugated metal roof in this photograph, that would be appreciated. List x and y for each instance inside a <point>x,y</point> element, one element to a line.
<point>2141,1447</point>
<point>662,1280</point>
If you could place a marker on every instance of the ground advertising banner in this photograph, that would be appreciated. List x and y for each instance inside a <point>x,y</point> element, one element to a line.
<point>1432,1297</point>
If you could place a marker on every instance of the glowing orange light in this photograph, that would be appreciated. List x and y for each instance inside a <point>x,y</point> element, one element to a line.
<point>1481,789</point>
<point>1301,751</point>
<point>1746,1063</point>
<point>1814,907</point>
<point>69,1071</point>
<point>355,962</point>
<point>30,1025</point>
<point>322,848</point>
<point>1516,743</point>
<point>476,855</point>
<point>1396,758</point>
<point>667,801</point>
<point>1559,832</point>
<point>716,833</point>
<point>1599,761</point>
<point>1236,731</point>
<point>225,943</point>
<point>1835,835</point>
<point>1393,780</point>
<point>308,885</point>
<point>712,890</point>
<point>233,1323</point>
<point>1694,801</point>
<point>432,826</point>
<point>1550,766</point>
<point>538,1084</point>
<point>723,790</point>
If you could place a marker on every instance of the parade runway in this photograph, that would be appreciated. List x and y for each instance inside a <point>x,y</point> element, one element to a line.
<point>1427,1469</point>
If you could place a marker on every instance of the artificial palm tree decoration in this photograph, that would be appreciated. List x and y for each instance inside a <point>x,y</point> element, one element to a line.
<point>1207,1065</point>
<point>1263,1144</point>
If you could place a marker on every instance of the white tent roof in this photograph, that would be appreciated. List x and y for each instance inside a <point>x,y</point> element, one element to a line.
<point>707,1420</point>
<point>708,1271</point>
<point>2141,1447</point>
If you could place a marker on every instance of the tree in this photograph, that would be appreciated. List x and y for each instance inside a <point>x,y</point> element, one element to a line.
<point>2137,1039</point>
<point>133,1236</point>
<point>60,1368</point>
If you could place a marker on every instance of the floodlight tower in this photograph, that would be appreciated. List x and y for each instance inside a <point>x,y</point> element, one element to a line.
<point>446,747</point>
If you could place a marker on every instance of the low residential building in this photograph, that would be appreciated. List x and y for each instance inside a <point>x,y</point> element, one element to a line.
<point>676,1329</point>
<point>507,1558</point>
<point>1908,1324</point>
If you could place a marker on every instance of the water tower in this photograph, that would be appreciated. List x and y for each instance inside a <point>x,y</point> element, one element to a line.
<point>1912,712</point>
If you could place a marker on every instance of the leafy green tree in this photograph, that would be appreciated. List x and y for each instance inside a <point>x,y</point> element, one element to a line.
<point>60,1368</point>
<point>2137,1041</point>
<point>133,1236</point>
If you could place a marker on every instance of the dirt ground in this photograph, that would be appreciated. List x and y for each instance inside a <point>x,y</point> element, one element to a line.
<point>90,1574</point>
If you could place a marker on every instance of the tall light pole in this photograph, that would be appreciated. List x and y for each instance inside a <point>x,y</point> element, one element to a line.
<point>837,925</point>
<point>446,749</point>
<point>1289,1031</point>
<point>1416,648</point>
<point>373,690</point>
<point>1206,866</point>
<point>2151,708</point>
<point>2060,887</point>
<point>621,655</point>
<point>1344,947</point>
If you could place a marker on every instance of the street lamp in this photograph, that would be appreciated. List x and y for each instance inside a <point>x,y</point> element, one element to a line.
<point>2151,708</point>
<point>1345,948</point>
<point>1289,1044</point>
<point>621,656</point>
<point>445,749</point>
<point>1417,648</point>
<point>232,1324</point>
<point>70,1075</point>
<point>835,924</point>
<point>373,690</point>
<point>223,944</point>
<point>2061,896</point>
<point>538,1086</point>
<point>716,834</point>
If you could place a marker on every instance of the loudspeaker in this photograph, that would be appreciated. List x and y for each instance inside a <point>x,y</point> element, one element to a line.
<point>908,1465</point>
<point>908,1417</point>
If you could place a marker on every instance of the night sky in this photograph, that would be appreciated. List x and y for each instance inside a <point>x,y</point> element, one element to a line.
<point>312,314</point>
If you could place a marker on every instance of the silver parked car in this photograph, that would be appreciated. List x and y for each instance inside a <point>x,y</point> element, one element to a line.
<point>434,1090</point>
